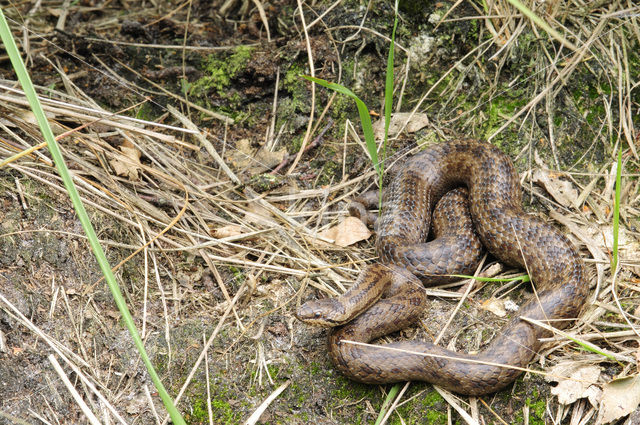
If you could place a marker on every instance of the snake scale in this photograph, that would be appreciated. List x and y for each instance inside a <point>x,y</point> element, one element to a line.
<point>388,296</point>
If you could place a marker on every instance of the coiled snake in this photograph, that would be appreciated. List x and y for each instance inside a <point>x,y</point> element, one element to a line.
<point>389,296</point>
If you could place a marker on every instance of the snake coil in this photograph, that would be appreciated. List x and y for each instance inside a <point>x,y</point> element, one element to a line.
<point>389,296</point>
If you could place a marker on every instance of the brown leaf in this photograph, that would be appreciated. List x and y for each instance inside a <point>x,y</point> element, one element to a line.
<point>499,306</point>
<point>348,232</point>
<point>574,380</point>
<point>494,305</point>
<point>129,163</point>
<point>563,191</point>
<point>628,244</point>
<point>228,231</point>
<point>619,398</point>
<point>418,121</point>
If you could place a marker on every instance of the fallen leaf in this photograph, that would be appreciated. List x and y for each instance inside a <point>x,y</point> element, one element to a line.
<point>495,306</point>
<point>130,164</point>
<point>628,244</point>
<point>619,398</point>
<point>574,381</point>
<point>348,232</point>
<point>563,191</point>
<point>418,121</point>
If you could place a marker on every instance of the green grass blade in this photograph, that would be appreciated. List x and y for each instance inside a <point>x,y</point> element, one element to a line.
<point>592,348</point>
<point>54,149</point>
<point>616,212</point>
<point>365,118</point>
<point>586,345</point>
<point>387,402</point>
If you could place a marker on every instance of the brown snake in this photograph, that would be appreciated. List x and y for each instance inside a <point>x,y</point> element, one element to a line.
<point>508,233</point>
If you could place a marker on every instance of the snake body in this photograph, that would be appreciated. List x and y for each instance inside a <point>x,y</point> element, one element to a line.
<point>387,297</point>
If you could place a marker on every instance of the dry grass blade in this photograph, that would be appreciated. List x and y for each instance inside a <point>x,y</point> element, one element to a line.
<point>255,416</point>
<point>91,418</point>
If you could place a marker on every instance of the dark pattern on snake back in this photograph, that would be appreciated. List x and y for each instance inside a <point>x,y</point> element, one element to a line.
<point>511,235</point>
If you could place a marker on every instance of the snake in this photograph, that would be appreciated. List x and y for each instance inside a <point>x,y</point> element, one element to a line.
<point>486,212</point>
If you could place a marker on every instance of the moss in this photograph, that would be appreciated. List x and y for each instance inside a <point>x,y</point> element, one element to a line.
<point>220,70</point>
<point>500,108</point>
<point>293,81</point>
<point>295,143</point>
<point>536,411</point>
<point>145,112</point>
<point>434,417</point>
<point>198,414</point>
<point>432,399</point>
<point>331,171</point>
<point>238,277</point>
<point>265,182</point>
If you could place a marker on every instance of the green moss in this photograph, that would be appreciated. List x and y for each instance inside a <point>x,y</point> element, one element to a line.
<point>198,414</point>
<point>501,108</point>
<point>295,143</point>
<point>219,70</point>
<point>432,399</point>
<point>434,417</point>
<point>293,81</point>
<point>343,107</point>
<point>238,277</point>
<point>331,171</point>
<point>536,410</point>
<point>265,182</point>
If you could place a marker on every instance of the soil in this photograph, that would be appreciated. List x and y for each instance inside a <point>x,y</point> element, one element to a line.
<point>112,52</point>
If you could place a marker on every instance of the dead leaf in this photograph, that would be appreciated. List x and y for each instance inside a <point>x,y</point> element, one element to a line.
<point>494,305</point>
<point>628,244</point>
<point>563,191</point>
<point>619,398</point>
<point>254,160</point>
<point>130,164</point>
<point>574,381</point>
<point>418,121</point>
<point>348,232</point>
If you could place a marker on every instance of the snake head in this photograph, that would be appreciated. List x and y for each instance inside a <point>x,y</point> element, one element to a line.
<point>327,312</point>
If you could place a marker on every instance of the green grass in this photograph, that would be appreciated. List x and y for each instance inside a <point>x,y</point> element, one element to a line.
<point>616,213</point>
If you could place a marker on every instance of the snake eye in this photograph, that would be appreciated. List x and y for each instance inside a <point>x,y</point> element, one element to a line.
<point>317,314</point>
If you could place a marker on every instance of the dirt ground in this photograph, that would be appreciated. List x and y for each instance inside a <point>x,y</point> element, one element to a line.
<point>202,139</point>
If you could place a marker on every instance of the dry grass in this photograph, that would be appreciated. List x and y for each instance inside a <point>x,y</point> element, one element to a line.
<point>185,211</point>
